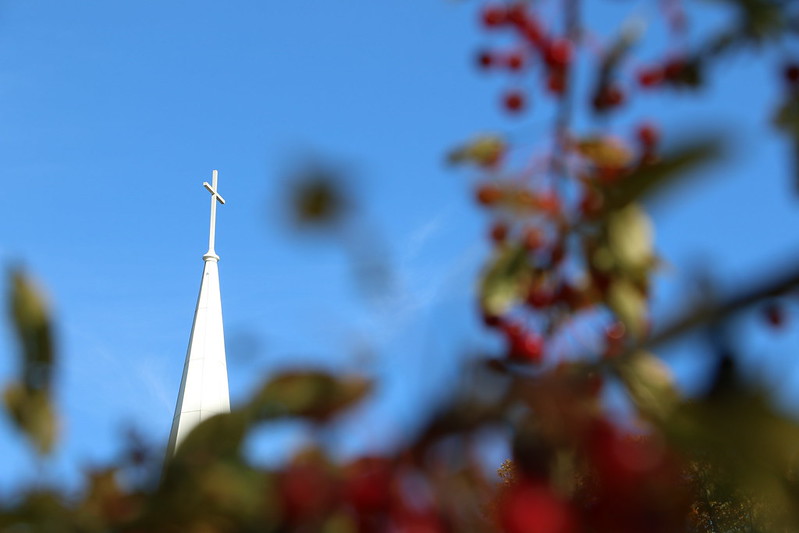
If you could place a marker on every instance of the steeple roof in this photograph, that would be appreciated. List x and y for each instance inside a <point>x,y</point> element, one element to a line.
<point>204,386</point>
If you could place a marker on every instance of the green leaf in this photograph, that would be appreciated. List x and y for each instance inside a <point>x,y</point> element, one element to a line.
<point>650,178</point>
<point>313,394</point>
<point>28,400</point>
<point>649,383</point>
<point>630,237</point>
<point>629,304</point>
<point>505,280</point>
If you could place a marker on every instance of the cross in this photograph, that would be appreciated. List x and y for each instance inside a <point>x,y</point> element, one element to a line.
<point>215,197</point>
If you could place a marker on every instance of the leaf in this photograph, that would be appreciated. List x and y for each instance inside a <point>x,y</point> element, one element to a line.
<point>28,400</point>
<point>31,320</point>
<point>650,384</point>
<point>629,304</point>
<point>648,179</point>
<point>315,395</point>
<point>605,152</point>
<point>505,280</point>
<point>630,236</point>
<point>484,151</point>
<point>33,414</point>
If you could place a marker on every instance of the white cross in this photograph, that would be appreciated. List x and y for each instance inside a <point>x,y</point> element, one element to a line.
<point>215,197</point>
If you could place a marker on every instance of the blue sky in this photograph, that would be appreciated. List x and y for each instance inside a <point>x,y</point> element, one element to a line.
<point>112,114</point>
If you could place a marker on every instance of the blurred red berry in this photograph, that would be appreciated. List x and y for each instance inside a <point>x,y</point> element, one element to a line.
<point>549,203</point>
<point>648,135</point>
<point>591,203</point>
<point>674,69</point>
<point>485,59</point>
<point>559,53</point>
<point>774,313</point>
<point>488,194</point>
<point>609,97</point>
<point>494,15</point>
<point>527,347</point>
<point>530,507</point>
<point>533,239</point>
<point>540,297</point>
<point>499,232</point>
<point>515,61</point>
<point>367,484</point>
<point>514,101</point>
<point>791,73</point>
<point>650,77</point>
<point>556,82</point>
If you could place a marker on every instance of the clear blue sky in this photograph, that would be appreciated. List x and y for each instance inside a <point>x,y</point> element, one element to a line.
<point>112,114</point>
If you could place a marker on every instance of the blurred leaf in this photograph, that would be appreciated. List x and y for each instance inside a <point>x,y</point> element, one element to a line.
<point>605,152</point>
<point>318,196</point>
<point>314,395</point>
<point>649,383</point>
<point>32,412</point>
<point>505,280</point>
<point>28,400</point>
<point>31,320</point>
<point>484,151</point>
<point>650,178</point>
<point>630,238</point>
<point>629,304</point>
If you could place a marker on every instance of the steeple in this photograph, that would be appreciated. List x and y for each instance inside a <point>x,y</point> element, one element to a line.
<point>204,386</point>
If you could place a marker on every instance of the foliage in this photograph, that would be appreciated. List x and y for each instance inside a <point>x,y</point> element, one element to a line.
<point>572,258</point>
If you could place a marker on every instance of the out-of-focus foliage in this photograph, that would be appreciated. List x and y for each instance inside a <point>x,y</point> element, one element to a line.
<point>572,250</point>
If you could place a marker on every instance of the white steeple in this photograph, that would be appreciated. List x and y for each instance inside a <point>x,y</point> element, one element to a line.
<point>204,387</point>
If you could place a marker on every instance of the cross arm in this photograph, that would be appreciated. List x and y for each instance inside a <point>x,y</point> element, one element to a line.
<point>213,192</point>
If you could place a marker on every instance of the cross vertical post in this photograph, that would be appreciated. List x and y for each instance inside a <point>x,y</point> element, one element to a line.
<point>215,197</point>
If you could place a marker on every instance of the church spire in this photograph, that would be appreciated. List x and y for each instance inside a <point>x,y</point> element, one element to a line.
<point>204,386</point>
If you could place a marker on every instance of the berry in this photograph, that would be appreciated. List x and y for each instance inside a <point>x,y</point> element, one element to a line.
<point>556,82</point>
<point>533,239</point>
<point>650,77</point>
<point>499,232</point>
<point>791,73</point>
<point>549,203</point>
<point>514,101</point>
<point>488,194</point>
<point>591,203</point>
<point>485,59</point>
<point>515,61</point>
<point>559,53</point>
<point>540,297</point>
<point>609,97</point>
<point>774,315</point>
<point>494,15</point>
<point>648,135</point>
<point>526,346</point>
<point>674,68</point>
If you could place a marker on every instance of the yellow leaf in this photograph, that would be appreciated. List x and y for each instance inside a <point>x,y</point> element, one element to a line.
<point>630,238</point>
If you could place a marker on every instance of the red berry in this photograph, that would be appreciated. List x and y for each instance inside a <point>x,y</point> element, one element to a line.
<point>559,53</point>
<point>791,73</point>
<point>515,61</point>
<point>540,297</point>
<point>648,135</point>
<point>556,82</point>
<point>591,203</point>
<point>514,101</point>
<point>774,315</point>
<point>527,346</point>
<point>650,77</point>
<point>516,14</point>
<point>533,239</point>
<point>549,203</point>
<point>529,507</point>
<point>485,59</point>
<point>499,232</point>
<point>673,69</point>
<point>488,194</point>
<point>609,97</point>
<point>494,15</point>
